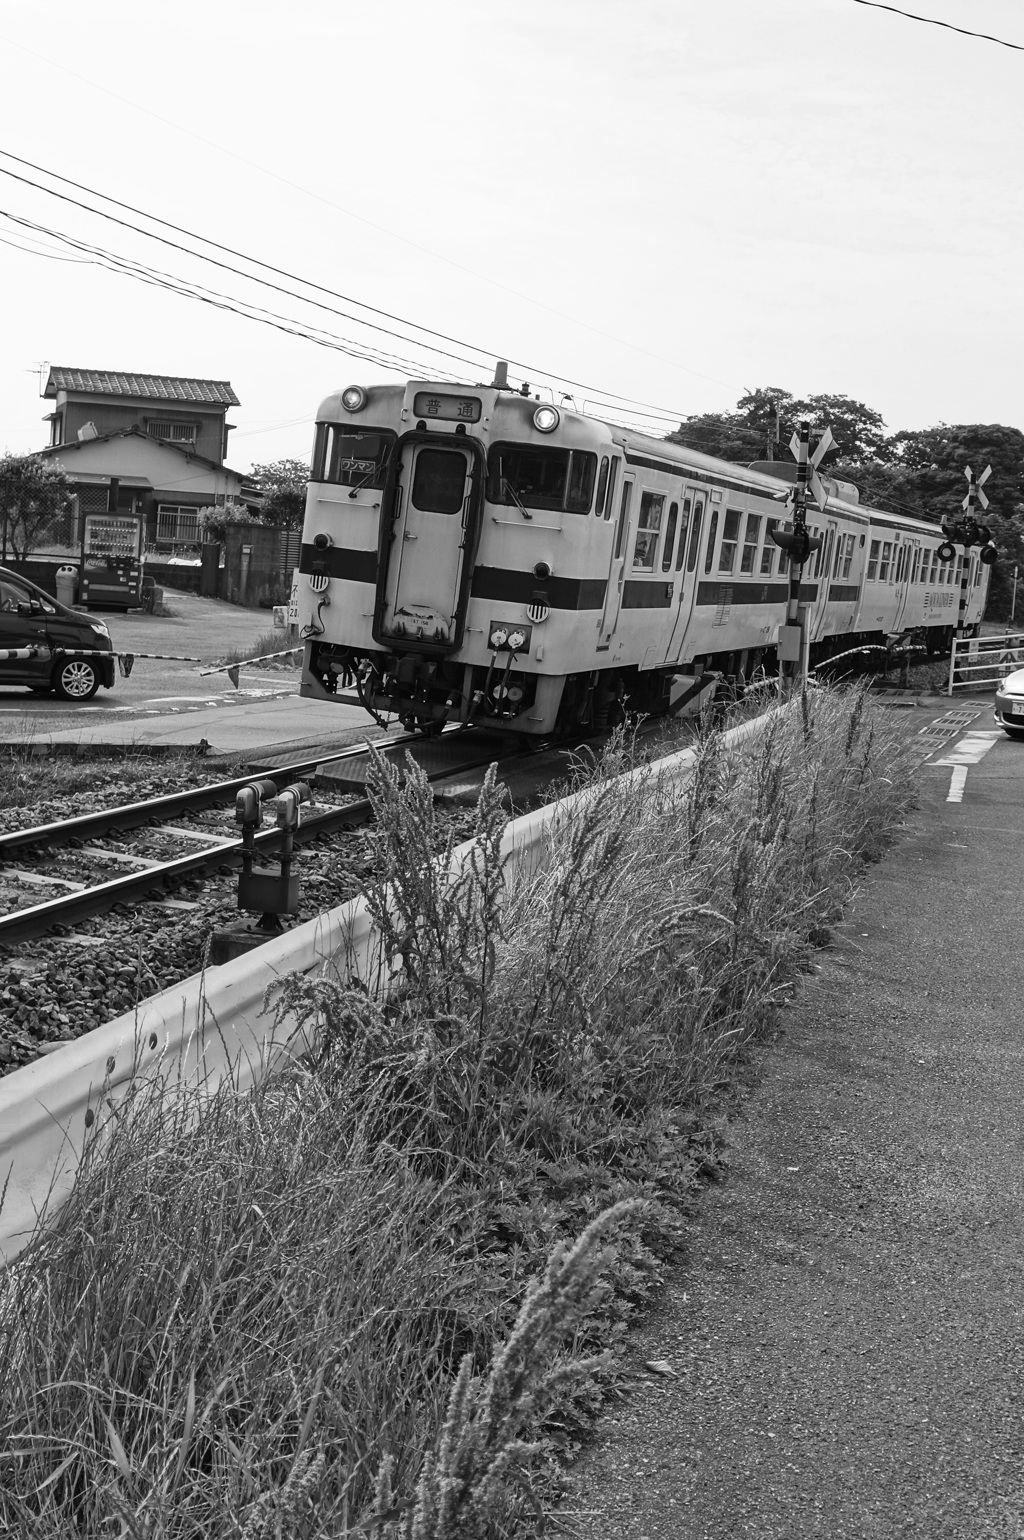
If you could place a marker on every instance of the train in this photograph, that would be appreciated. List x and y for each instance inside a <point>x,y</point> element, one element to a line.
<point>480,555</point>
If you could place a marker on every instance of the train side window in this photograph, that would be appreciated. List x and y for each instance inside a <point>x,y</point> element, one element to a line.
<point>848,558</point>
<point>648,531</point>
<point>698,514</point>
<point>602,486</point>
<point>770,548</point>
<point>681,552</point>
<point>620,533</point>
<point>670,536</point>
<point>730,534</point>
<point>712,532</point>
<point>876,546</point>
<point>609,501</point>
<point>751,540</point>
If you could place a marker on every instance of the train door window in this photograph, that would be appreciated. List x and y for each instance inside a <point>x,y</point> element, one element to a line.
<point>648,531</point>
<point>751,539</point>
<point>620,533</point>
<point>959,571</point>
<point>840,548</point>
<point>824,554</point>
<point>851,544</point>
<point>602,486</point>
<point>609,501</point>
<point>712,532</point>
<point>885,564</point>
<point>698,515</point>
<point>876,546</point>
<point>816,569</point>
<point>681,552</point>
<point>670,536</point>
<point>976,564</point>
<point>730,536</point>
<point>901,552</point>
<point>439,483</point>
<point>915,570</point>
<point>768,554</point>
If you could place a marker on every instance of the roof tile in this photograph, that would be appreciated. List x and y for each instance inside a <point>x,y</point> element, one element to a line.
<point>152,387</point>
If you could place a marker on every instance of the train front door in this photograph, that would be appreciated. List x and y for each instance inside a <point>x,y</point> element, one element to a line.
<point>430,531</point>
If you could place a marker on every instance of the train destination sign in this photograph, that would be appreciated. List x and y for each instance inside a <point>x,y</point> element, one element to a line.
<point>427,403</point>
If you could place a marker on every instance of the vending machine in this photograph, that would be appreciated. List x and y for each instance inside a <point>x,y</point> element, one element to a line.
<point>111,559</point>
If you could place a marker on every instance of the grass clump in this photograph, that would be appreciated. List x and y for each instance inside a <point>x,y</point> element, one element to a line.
<point>381,1293</point>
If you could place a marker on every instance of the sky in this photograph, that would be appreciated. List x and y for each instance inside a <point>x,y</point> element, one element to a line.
<point>651,206</point>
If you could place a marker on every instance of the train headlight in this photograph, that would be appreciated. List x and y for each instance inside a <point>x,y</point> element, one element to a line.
<point>546,419</point>
<point>353,399</point>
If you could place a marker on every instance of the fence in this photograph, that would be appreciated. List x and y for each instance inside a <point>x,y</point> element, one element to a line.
<point>980,662</point>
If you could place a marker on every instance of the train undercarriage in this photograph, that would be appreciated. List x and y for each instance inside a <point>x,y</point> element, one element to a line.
<point>426,693</point>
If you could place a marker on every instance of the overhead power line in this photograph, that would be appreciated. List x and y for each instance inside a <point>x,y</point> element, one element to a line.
<point>932,21</point>
<point>649,409</point>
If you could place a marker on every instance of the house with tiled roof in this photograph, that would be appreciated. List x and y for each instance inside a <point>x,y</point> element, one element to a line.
<point>147,445</point>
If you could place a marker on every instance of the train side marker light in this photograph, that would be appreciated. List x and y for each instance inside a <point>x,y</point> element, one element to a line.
<point>546,419</point>
<point>353,398</point>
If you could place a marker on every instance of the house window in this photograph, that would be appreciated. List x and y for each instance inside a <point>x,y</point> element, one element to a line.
<point>173,432</point>
<point>177,524</point>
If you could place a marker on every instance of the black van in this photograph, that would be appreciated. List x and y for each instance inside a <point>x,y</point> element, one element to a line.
<point>45,646</point>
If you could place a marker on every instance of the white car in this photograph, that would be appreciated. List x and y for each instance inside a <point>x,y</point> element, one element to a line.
<point>1009,706</point>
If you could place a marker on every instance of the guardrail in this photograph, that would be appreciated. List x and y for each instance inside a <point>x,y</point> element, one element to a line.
<point>213,1025</point>
<point>980,662</point>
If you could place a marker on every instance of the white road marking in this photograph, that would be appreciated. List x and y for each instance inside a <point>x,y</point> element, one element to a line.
<point>970,749</point>
<point>957,782</point>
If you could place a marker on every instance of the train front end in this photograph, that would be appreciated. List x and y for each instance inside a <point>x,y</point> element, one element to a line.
<point>441,525</point>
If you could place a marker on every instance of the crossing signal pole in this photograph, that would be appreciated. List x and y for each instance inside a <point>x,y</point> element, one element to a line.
<point>967,532</point>
<point>799,544</point>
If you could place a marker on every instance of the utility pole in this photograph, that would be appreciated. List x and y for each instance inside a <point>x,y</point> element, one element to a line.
<point>799,544</point>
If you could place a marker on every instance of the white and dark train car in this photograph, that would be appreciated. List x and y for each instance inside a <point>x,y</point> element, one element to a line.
<point>472,555</point>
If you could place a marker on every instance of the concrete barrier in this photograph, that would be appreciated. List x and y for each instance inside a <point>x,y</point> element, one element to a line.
<point>213,1025</point>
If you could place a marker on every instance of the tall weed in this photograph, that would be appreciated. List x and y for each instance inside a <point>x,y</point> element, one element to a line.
<point>348,1302</point>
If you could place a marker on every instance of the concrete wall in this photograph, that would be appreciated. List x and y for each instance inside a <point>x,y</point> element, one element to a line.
<point>254,574</point>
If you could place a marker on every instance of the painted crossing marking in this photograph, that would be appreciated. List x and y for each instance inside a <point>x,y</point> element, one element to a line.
<point>970,750</point>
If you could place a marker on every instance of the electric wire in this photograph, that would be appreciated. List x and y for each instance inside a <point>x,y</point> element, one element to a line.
<point>932,21</point>
<point>524,370</point>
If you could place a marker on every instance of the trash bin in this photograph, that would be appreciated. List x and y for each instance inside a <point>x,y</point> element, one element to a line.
<point>148,595</point>
<point>67,582</point>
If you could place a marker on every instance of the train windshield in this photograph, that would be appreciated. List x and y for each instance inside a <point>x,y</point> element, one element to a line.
<point>541,478</point>
<point>351,457</point>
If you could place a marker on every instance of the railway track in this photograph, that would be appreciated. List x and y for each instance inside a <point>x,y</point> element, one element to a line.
<point>153,874</point>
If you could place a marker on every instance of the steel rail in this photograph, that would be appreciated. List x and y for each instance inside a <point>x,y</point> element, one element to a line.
<point>70,909</point>
<point>133,815</point>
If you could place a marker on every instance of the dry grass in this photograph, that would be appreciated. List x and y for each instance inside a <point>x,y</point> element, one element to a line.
<point>348,1302</point>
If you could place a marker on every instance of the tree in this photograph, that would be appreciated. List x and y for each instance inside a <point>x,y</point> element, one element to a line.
<point>213,521</point>
<point>33,495</point>
<point>858,430</point>
<point>283,485</point>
